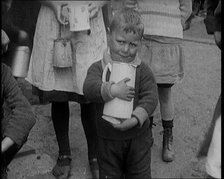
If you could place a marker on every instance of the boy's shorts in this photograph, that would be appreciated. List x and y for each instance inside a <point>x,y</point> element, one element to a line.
<point>126,158</point>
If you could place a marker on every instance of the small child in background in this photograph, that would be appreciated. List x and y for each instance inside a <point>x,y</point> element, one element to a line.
<point>18,119</point>
<point>124,150</point>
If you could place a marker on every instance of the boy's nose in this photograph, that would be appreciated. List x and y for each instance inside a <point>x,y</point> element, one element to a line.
<point>126,47</point>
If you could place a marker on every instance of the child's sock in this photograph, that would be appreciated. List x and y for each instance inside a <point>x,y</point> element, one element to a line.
<point>167,124</point>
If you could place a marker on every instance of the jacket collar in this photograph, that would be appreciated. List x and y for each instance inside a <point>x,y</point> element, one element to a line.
<point>107,59</point>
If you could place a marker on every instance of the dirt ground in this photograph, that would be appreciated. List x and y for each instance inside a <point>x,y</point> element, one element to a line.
<point>195,98</point>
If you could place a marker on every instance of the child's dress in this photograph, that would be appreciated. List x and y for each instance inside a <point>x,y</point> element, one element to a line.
<point>87,48</point>
<point>163,34</point>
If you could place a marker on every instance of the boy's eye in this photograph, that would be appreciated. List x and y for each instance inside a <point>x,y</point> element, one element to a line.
<point>133,45</point>
<point>121,42</point>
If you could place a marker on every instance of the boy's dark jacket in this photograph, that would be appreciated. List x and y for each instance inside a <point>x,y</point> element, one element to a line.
<point>20,118</point>
<point>146,96</point>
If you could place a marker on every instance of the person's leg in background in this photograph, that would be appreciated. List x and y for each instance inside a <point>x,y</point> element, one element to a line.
<point>6,159</point>
<point>60,118</point>
<point>213,163</point>
<point>88,118</point>
<point>167,115</point>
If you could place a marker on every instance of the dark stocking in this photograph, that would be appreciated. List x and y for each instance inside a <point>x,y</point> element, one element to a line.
<point>88,117</point>
<point>60,117</point>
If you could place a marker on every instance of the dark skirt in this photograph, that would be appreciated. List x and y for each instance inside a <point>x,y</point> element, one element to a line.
<point>58,96</point>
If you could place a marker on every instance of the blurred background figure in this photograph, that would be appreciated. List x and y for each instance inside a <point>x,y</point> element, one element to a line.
<point>198,7</point>
<point>19,21</point>
<point>17,118</point>
<point>211,146</point>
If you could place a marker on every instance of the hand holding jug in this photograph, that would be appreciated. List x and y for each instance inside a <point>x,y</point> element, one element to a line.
<point>122,91</point>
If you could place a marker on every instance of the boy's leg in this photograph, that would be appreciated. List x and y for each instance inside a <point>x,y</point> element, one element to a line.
<point>138,163</point>
<point>167,115</point>
<point>110,158</point>
<point>88,118</point>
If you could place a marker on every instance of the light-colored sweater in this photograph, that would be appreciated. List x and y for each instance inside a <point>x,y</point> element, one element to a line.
<point>164,17</point>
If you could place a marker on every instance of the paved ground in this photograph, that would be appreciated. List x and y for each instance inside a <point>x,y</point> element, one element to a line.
<point>194,98</point>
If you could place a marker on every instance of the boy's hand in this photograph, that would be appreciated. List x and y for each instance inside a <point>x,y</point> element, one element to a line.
<point>63,14</point>
<point>126,124</point>
<point>6,144</point>
<point>122,90</point>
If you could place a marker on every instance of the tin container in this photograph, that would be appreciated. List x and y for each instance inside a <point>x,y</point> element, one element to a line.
<point>20,61</point>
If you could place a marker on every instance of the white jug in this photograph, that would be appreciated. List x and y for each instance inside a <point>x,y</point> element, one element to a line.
<point>118,108</point>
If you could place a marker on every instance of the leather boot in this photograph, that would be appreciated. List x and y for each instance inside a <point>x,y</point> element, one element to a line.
<point>167,153</point>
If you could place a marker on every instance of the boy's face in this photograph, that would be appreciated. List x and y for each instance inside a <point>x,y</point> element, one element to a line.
<point>124,46</point>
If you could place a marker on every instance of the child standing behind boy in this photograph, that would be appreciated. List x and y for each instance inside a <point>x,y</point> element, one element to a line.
<point>124,150</point>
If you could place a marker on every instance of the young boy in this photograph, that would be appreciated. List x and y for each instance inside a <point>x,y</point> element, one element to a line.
<point>124,150</point>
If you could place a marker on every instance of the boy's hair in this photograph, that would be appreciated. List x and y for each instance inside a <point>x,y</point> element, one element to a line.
<point>127,20</point>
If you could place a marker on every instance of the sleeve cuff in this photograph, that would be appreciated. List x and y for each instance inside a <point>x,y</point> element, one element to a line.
<point>106,91</point>
<point>141,115</point>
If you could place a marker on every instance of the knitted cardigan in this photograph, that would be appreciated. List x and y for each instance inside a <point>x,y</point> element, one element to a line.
<point>145,101</point>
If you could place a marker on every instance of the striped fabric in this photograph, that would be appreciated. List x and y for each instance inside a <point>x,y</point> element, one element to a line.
<point>161,17</point>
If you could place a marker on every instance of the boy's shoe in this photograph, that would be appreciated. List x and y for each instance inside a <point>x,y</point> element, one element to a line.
<point>167,153</point>
<point>62,168</point>
<point>94,168</point>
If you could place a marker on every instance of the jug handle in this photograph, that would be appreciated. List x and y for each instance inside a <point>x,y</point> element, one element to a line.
<point>107,67</point>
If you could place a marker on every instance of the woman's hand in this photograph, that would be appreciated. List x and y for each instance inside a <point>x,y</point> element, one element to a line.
<point>63,14</point>
<point>4,41</point>
<point>57,9</point>
<point>6,143</point>
<point>93,10</point>
<point>122,90</point>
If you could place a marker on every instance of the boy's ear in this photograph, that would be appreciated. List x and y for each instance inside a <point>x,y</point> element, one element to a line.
<point>109,37</point>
